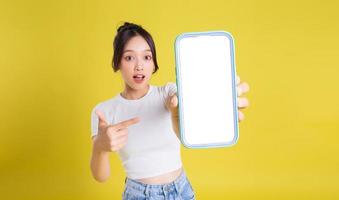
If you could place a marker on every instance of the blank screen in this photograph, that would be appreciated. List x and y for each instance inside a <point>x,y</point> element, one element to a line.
<point>206,90</point>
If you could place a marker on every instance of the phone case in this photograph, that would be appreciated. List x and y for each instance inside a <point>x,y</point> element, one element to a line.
<point>187,134</point>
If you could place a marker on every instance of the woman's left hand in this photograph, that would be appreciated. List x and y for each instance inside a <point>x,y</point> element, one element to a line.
<point>172,104</point>
<point>242,88</point>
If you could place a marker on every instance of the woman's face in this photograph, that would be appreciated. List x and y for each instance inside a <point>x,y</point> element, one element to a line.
<point>137,64</point>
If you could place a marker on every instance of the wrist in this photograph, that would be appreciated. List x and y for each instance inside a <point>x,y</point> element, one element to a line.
<point>97,147</point>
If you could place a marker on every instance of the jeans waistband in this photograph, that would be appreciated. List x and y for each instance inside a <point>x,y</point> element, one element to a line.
<point>177,184</point>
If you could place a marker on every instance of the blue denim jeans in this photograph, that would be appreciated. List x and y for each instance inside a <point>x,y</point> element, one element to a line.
<point>179,189</point>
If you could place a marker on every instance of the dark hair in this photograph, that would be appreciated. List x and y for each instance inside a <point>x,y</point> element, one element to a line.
<point>124,33</point>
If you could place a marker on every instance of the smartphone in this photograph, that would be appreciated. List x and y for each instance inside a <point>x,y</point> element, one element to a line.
<point>206,89</point>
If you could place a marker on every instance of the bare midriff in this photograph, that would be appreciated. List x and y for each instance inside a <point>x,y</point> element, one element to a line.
<point>163,178</point>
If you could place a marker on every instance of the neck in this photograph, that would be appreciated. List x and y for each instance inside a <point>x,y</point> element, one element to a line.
<point>133,94</point>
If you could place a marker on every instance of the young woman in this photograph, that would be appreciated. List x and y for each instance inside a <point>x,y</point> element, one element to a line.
<point>141,124</point>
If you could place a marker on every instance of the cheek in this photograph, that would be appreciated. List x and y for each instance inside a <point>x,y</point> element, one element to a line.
<point>126,66</point>
<point>125,71</point>
<point>151,66</point>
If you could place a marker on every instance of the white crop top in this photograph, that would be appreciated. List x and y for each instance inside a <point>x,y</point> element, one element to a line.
<point>152,148</point>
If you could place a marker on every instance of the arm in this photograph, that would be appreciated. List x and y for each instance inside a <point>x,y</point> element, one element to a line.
<point>172,106</point>
<point>110,138</point>
<point>100,166</point>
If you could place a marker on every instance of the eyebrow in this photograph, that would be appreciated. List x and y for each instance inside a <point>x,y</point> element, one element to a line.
<point>128,50</point>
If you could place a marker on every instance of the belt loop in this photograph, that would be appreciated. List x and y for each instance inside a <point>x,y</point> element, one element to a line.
<point>147,191</point>
<point>176,185</point>
<point>164,190</point>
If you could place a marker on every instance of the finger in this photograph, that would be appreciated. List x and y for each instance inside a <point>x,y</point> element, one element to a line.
<point>238,79</point>
<point>242,88</point>
<point>242,102</point>
<point>127,123</point>
<point>121,137</point>
<point>174,101</point>
<point>172,105</point>
<point>120,133</point>
<point>119,145</point>
<point>119,140</point>
<point>241,116</point>
<point>102,120</point>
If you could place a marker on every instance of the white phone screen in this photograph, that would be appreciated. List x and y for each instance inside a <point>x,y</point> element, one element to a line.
<point>206,89</point>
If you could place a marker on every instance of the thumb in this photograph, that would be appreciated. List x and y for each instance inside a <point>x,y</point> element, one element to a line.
<point>173,101</point>
<point>102,120</point>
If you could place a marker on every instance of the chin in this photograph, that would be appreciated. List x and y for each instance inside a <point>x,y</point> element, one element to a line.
<point>136,86</point>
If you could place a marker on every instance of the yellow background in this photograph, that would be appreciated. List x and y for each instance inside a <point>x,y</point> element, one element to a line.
<point>55,66</point>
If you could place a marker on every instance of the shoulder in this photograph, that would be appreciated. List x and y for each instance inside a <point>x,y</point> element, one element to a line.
<point>106,105</point>
<point>166,90</point>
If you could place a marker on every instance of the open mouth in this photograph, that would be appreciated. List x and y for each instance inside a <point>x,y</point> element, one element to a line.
<point>139,77</point>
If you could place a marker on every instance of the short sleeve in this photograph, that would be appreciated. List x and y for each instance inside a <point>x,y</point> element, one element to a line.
<point>169,89</point>
<point>94,123</point>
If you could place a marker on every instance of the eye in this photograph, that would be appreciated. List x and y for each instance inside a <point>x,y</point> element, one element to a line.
<point>148,57</point>
<point>128,58</point>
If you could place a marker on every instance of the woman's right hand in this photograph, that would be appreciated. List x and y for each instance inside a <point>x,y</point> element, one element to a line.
<point>112,137</point>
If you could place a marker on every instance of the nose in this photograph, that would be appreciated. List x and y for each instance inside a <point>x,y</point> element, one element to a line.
<point>139,64</point>
<point>138,68</point>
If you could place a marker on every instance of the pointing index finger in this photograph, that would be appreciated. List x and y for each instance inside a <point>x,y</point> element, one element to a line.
<point>126,123</point>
